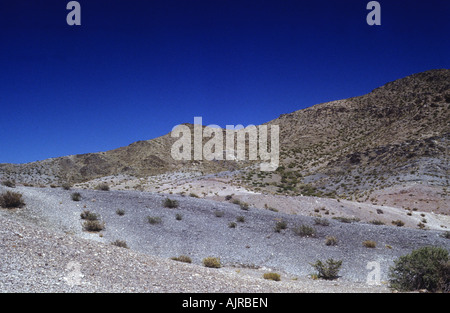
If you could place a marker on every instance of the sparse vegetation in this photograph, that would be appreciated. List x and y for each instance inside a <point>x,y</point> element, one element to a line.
<point>182,258</point>
<point>212,262</point>
<point>398,223</point>
<point>93,225</point>
<point>88,215</point>
<point>218,213</point>
<point>305,231</point>
<point>102,187</point>
<point>328,270</point>
<point>171,204</point>
<point>232,225</point>
<point>9,183</point>
<point>321,221</point>
<point>369,244</point>
<point>154,220</point>
<point>425,268</point>
<point>178,217</point>
<point>120,212</point>
<point>76,196</point>
<point>66,186</point>
<point>120,243</point>
<point>240,219</point>
<point>10,200</point>
<point>272,276</point>
<point>280,225</point>
<point>331,241</point>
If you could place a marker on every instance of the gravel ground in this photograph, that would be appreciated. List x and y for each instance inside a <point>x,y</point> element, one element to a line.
<point>42,245</point>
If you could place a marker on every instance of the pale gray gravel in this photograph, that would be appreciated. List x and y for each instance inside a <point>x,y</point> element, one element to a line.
<point>39,242</point>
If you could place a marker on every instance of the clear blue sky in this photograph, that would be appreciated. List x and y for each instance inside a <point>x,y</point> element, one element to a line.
<point>134,69</point>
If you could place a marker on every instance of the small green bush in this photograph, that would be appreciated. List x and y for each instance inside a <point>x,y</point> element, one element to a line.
<point>171,204</point>
<point>212,262</point>
<point>10,200</point>
<point>424,268</point>
<point>272,276</point>
<point>328,270</point>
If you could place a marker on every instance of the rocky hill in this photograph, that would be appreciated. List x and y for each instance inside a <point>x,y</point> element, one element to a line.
<point>390,141</point>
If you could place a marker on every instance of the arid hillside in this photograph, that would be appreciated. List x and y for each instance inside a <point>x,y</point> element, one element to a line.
<point>387,147</point>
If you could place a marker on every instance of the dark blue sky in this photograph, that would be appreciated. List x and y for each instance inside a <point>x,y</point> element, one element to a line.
<point>135,69</point>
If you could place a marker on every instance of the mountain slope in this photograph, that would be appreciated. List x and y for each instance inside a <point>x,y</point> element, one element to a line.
<point>397,135</point>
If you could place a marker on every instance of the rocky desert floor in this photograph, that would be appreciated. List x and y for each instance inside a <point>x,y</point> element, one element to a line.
<point>43,247</point>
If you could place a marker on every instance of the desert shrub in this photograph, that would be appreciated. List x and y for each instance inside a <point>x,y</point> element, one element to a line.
<point>376,222</point>
<point>182,258</point>
<point>228,197</point>
<point>88,215</point>
<point>102,186</point>
<point>76,196</point>
<point>171,204</point>
<point>93,226</point>
<point>154,220</point>
<point>425,268</point>
<point>398,223</point>
<point>305,231</point>
<point>331,241</point>
<point>446,235</point>
<point>212,262</point>
<point>280,225</point>
<point>328,270</point>
<point>193,195</point>
<point>218,213</point>
<point>346,219</point>
<point>9,183</point>
<point>272,276</point>
<point>236,201</point>
<point>120,243</point>
<point>66,186</point>
<point>240,219</point>
<point>232,225</point>
<point>321,221</point>
<point>178,217</point>
<point>11,200</point>
<point>244,206</point>
<point>369,244</point>
<point>120,212</point>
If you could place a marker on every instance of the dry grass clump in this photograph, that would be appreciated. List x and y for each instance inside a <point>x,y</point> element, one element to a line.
<point>272,276</point>
<point>305,231</point>
<point>88,215</point>
<point>102,186</point>
<point>369,244</point>
<point>10,200</point>
<point>212,262</point>
<point>171,204</point>
<point>182,258</point>
<point>94,226</point>
<point>76,196</point>
<point>120,244</point>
